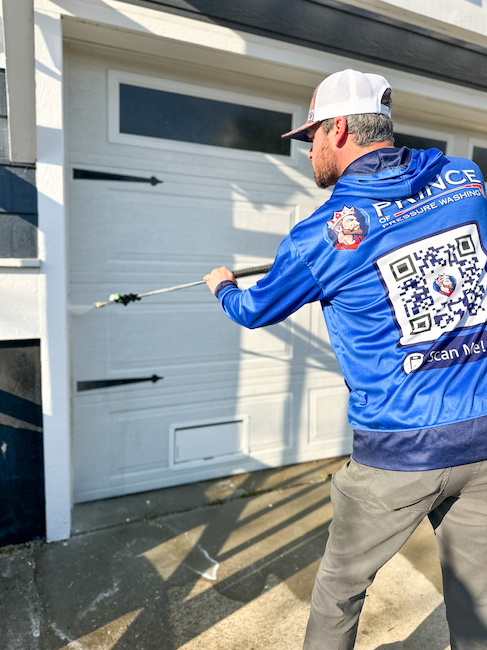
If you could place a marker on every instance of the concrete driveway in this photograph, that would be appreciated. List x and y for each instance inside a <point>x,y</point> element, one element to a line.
<point>219,565</point>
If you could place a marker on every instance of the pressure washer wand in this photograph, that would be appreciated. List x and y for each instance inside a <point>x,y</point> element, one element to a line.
<point>132,297</point>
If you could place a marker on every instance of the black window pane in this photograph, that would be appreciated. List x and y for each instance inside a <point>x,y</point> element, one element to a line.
<point>417,142</point>
<point>480,157</point>
<point>160,114</point>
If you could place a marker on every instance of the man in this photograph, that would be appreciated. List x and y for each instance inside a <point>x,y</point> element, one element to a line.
<point>417,366</point>
<point>346,229</point>
<point>444,284</point>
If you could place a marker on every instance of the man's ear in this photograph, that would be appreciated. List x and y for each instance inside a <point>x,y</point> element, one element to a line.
<point>340,131</point>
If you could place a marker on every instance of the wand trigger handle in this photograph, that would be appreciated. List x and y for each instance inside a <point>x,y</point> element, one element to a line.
<point>254,270</point>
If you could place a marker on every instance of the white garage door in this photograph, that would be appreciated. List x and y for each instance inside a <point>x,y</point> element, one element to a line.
<point>230,399</point>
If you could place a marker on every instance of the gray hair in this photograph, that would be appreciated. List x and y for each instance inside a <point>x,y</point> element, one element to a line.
<point>368,128</point>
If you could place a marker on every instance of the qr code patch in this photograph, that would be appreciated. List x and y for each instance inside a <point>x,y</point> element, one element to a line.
<point>436,284</point>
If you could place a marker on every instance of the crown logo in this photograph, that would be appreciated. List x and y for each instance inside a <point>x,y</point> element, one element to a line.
<point>442,277</point>
<point>339,216</point>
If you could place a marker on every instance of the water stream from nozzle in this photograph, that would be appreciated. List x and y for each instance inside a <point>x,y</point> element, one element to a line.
<point>79,310</point>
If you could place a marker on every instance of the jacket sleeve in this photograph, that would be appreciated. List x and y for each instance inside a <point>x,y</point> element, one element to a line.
<point>288,286</point>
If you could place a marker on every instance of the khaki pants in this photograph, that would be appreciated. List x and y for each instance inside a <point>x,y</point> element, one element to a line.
<point>376,511</point>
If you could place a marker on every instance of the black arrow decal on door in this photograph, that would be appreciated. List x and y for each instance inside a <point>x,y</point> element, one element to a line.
<point>88,175</point>
<point>106,383</point>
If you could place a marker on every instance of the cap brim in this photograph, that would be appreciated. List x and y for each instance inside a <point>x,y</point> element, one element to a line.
<point>301,133</point>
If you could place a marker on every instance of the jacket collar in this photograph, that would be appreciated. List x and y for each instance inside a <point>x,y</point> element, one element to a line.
<point>378,160</point>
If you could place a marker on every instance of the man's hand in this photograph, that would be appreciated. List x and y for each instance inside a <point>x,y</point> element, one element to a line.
<point>214,278</point>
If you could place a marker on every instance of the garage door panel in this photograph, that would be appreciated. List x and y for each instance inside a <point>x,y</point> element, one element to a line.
<point>202,231</point>
<point>142,443</point>
<point>139,443</point>
<point>187,335</point>
<point>271,426</point>
<point>206,172</point>
<point>91,447</point>
<point>109,227</point>
<point>327,423</point>
<point>231,399</point>
<point>149,341</point>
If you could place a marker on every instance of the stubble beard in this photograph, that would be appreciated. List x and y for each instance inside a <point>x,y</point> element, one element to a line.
<point>325,167</point>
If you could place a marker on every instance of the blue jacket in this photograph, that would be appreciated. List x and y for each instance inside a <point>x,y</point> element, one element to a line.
<point>397,256</point>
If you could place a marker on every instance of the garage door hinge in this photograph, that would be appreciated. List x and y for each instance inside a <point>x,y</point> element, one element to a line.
<point>88,175</point>
<point>106,383</point>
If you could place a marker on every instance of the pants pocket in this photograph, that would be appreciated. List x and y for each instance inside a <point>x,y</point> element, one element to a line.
<point>353,480</point>
<point>414,490</point>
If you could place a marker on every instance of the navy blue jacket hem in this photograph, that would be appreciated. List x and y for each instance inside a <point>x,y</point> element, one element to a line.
<point>460,443</point>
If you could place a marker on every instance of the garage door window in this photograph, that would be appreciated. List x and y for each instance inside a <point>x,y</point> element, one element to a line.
<point>418,142</point>
<point>480,157</point>
<point>161,114</point>
<point>168,114</point>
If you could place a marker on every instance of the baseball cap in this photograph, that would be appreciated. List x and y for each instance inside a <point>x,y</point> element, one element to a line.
<point>344,93</point>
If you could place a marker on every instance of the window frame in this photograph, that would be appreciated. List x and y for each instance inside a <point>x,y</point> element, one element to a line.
<point>116,77</point>
<point>476,142</point>
<point>419,131</point>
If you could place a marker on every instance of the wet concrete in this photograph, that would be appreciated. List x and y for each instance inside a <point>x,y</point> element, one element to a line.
<point>220,565</point>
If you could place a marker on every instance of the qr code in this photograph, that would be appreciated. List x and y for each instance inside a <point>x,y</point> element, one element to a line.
<point>436,284</point>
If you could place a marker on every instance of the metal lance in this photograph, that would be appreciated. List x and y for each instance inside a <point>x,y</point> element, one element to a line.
<point>133,297</point>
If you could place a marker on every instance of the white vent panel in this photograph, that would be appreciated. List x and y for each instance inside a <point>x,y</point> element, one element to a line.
<point>209,442</point>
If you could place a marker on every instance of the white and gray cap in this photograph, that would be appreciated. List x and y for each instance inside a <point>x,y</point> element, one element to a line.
<point>344,93</point>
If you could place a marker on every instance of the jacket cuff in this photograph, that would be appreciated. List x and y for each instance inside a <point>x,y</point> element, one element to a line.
<point>222,285</point>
